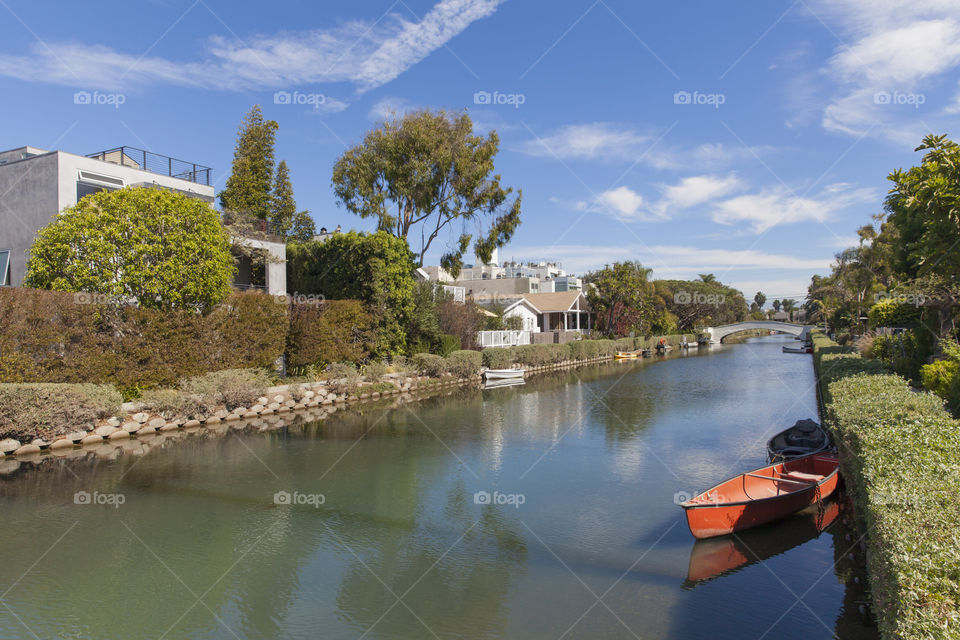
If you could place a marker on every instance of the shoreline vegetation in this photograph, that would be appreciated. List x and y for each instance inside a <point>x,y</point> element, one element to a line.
<point>37,419</point>
<point>900,459</point>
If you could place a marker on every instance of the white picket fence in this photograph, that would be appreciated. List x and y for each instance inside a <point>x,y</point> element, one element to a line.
<point>502,338</point>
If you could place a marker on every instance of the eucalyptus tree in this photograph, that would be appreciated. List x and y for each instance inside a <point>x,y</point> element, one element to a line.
<point>421,174</point>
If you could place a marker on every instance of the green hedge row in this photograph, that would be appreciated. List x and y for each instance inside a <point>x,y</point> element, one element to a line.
<point>57,337</point>
<point>462,364</point>
<point>900,456</point>
<point>330,331</point>
<point>535,355</point>
<point>52,336</point>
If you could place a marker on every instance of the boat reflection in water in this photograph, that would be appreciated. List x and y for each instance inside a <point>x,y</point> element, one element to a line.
<point>496,383</point>
<point>723,555</point>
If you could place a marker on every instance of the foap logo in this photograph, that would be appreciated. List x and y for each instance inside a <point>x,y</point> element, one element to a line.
<point>296,498</point>
<point>86,297</point>
<point>496,98</point>
<point>687,297</point>
<point>899,98</point>
<point>301,298</point>
<point>299,98</point>
<point>914,299</point>
<point>497,498</point>
<point>682,496</point>
<point>97,98</point>
<point>697,98</point>
<point>96,498</point>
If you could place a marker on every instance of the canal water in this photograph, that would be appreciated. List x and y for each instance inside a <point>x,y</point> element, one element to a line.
<point>546,510</point>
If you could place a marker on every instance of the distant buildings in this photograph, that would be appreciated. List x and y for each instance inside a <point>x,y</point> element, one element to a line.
<point>494,283</point>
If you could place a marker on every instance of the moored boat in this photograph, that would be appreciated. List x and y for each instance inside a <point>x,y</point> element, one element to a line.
<point>724,555</point>
<point>762,495</point>
<point>502,374</point>
<point>787,348</point>
<point>802,439</point>
<point>626,355</point>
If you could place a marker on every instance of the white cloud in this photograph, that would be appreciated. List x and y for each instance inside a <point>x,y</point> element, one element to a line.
<point>388,108</point>
<point>367,54</point>
<point>778,206</point>
<point>613,142</point>
<point>624,202</point>
<point>695,190</point>
<point>890,47</point>
<point>592,141</point>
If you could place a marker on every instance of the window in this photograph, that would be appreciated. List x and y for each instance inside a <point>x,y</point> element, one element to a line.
<point>89,182</point>
<point>5,268</point>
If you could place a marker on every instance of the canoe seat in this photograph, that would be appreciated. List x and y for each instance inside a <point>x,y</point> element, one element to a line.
<point>806,477</point>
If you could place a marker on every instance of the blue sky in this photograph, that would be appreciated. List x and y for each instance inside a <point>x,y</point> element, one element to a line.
<point>749,140</point>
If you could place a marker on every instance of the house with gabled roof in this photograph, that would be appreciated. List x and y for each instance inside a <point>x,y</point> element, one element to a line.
<point>559,311</point>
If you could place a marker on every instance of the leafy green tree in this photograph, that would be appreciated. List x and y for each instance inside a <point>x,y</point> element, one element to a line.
<point>423,173</point>
<point>759,299</point>
<point>288,222</point>
<point>375,268</point>
<point>924,209</point>
<point>249,186</point>
<point>621,298</point>
<point>776,305</point>
<point>423,326</point>
<point>694,304</point>
<point>164,249</point>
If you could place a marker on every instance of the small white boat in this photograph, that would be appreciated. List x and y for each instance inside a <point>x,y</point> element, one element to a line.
<point>689,345</point>
<point>788,348</point>
<point>503,374</point>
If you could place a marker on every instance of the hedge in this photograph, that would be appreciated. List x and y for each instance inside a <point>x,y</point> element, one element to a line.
<point>534,355</point>
<point>900,459</point>
<point>31,410</point>
<point>331,331</point>
<point>51,336</point>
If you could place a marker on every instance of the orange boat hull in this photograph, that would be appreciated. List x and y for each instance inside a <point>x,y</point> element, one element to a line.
<point>762,496</point>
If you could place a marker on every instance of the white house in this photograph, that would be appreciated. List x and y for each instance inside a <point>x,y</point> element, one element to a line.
<point>558,311</point>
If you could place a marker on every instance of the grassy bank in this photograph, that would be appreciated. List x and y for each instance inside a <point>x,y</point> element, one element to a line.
<point>900,457</point>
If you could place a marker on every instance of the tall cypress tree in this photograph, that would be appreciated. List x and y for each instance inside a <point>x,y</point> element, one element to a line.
<point>248,188</point>
<point>286,219</point>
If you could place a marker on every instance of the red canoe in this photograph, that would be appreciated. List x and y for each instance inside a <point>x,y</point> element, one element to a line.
<point>763,495</point>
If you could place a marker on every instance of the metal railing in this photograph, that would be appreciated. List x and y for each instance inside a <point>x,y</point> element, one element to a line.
<point>248,225</point>
<point>502,338</point>
<point>155,163</point>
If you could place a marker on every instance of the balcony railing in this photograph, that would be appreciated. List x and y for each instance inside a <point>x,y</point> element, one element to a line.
<point>247,225</point>
<point>155,163</point>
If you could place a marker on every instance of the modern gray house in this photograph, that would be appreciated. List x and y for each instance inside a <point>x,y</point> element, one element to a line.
<point>36,184</point>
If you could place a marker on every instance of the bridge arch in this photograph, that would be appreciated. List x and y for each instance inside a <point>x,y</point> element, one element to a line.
<point>717,334</point>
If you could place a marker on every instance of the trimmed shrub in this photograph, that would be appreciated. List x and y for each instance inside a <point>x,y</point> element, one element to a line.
<point>464,364</point>
<point>943,376</point>
<point>900,458</point>
<point>52,336</point>
<point>429,364</point>
<point>535,355</point>
<point>343,377</point>
<point>232,387</point>
<point>374,370</point>
<point>330,331</point>
<point>497,357</point>
<point>35,410</point>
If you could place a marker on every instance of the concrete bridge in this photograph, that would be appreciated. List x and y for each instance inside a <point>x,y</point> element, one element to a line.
<point>717,334</point>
